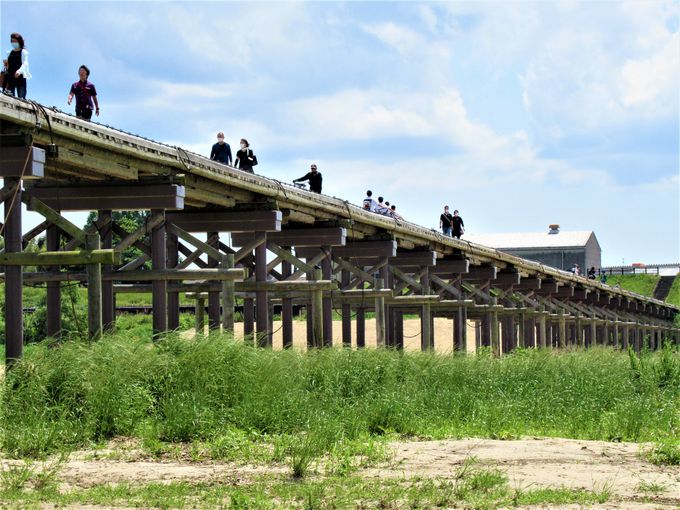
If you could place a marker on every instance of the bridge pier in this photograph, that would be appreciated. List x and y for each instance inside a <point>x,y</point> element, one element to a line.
<point>14,324</point>
<point>172,259</point>
<point>104,217</point>
<point>53,325</point>
<point>159,291</point>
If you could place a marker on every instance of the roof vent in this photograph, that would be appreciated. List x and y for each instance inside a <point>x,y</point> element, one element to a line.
<point>554,228</point>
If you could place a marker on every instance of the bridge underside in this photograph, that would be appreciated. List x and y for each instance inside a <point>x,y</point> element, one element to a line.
<point>267,244</point>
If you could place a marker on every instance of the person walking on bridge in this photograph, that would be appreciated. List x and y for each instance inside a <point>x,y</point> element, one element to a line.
<point>221,151</point>
<point>445,222</point>
<point>245,159</point>
<point>16,67</point>
<point>314,178</point>
<point>85,93</point>
<point>457,225</point>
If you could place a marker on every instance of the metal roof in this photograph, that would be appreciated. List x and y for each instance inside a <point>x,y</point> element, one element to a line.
<point>530,240</point>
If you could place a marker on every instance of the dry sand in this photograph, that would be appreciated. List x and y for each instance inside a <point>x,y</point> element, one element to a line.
<point>443,334</point>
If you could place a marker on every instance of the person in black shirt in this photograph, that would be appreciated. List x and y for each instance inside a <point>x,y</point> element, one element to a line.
<point>457,225</point>
<point>16,67</point>
<point>445,221</point>
<point>245,159</point>
<point>221,151</point>
<point>314,178</point>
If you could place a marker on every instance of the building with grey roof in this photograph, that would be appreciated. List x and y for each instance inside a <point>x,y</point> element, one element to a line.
<point>554,247</point>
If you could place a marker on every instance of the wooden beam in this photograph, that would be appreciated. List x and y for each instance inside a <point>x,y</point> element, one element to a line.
<point>227,221</point>
<point>481,273</point>
<point>60,258</point>
<point>248,248</point>
<point>376,249</point>
<point>194,241</point>
<point>446,267</point>
<point>129,197</point>
<point>154,221</point>
<point>414,259</point>
<point>57,219</point>
<point>301,237</point>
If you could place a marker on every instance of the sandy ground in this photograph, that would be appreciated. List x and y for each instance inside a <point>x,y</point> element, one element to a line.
<point>443,334</point>
<point>528,463</point>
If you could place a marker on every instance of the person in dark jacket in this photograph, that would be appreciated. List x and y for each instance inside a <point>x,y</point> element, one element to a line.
<point>221,151</point>
<point>445,220</point>
<point>314,178</point>
<point>16,67</point>
<point>457,224</point>
<point>245,159</point>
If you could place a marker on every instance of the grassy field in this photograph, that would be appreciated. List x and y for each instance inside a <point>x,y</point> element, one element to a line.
<point>641,283</point>
<point>674,294</point>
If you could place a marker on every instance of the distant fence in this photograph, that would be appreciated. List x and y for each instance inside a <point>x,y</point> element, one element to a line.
<point>636,269</point>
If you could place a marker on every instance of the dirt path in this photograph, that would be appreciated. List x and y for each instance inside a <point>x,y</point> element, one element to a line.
<point>529,464</point>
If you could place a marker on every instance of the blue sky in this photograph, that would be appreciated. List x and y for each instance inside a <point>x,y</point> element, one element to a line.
<point>518,114</point>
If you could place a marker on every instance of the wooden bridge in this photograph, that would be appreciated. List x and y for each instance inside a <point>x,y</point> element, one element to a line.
<point>285,246</point>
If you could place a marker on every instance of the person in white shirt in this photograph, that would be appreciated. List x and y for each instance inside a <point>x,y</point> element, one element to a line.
<point>369,203</point>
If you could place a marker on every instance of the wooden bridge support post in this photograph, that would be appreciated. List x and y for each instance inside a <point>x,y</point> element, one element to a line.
<point>562,338</point>
<point>264,338</point>
<point>53,324</point>
<point>345,279</point>
<point>578,332</point>
<point>605,333</point>
<point>485,331</point>
<point>108,298</point>
<point>530,333</point>
<point>287,309</point>
<point>327,274</point>
<point>172,258</point>
<point>317,312</point>
<point>427,333</point>
<point>248,309</point>
<point>14,324</point>
<point>380,330</point>
<point>159,288</point>
<point>213,239</point>
<point>460,328</point>
<point>521,330</point>
<point>593,331</point>
<point>361,327</point>
<point>505,337</point>
<point>388,283</point>
<point>495,339</point>
<point>398,329</point>
<point>309,309</point>
<point>625,341</point>
<point>199,315</point>
<point>542,340</point>
<point>228,298</point>
<point>94,293</point>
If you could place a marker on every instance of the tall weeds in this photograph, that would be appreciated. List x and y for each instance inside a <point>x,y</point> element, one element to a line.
<point>177,390</point>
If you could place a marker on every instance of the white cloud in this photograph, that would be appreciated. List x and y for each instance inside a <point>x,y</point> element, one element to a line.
<point>647,79</point>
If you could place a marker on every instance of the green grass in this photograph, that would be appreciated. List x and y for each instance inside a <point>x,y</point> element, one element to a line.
<point>74,394</point>
<point>674,294</point>
<point>641,283</point>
